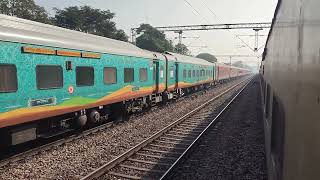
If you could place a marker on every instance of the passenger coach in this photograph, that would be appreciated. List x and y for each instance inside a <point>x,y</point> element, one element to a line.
<point>54,80</point>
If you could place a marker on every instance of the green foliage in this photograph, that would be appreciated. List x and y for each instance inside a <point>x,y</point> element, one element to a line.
<point>182,49</point>
<point>240,64</point>
<point>207,56</point>
<point>89,20</point>
<point>84,19</point>
<point>25,9</point>
<point>152,39</point>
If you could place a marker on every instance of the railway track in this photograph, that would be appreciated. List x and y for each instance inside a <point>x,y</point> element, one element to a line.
<point>156,156</point>
<point>53,144</point>
<point>56,143</point>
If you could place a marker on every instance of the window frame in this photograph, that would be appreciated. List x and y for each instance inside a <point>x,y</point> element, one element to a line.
<point>189,73</point>
<point>46,65</point>
<point>91,67</point>
<point>161,72</point>
<point>16,74</point>
<point>146,69</point>
<point>171,69</point>
<point>104,75</point>
<point>124,75</point>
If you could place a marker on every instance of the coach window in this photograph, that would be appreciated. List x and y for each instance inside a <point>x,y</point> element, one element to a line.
<point>189,74</point>
<point>110,75</point>
<point>143,75</point>
<point>184,74</point>
<point>8,78</point>
<point>171,72</point>
<point>197,73</point>
<point>128,75</point>
<point>193,73</point>
<point>84,76</point>
<point>161,72</point>
<point>49,77</point>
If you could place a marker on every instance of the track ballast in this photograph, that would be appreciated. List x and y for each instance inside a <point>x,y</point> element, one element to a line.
<point>154,156</point>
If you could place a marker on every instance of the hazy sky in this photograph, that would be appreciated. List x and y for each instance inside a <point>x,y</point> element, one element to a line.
<point>131,13</point>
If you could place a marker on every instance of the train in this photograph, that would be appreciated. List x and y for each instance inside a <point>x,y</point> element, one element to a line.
<point>291,91</point>
<point>54,80</point>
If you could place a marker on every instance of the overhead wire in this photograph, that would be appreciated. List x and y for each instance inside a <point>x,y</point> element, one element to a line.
<point>203,18</point>
<point>81,2</point>
<point>220,20</point>
<point>195,10</point>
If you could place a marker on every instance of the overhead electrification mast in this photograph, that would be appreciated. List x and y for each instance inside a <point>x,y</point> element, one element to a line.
<point>207,27</point>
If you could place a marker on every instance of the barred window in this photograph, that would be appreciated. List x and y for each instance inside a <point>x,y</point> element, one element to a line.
<point>184,73</point>
<point>49,77</point>
<point>85,76</point>
<point>8,78</point>
<point>189,73</point>
<point>143,74</point>
<point>110,75</point>
<point>128,75</point>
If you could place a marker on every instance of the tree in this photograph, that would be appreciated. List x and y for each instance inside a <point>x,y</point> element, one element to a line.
<point>89,20</point>
<point>240,64</point>
<point>152,39</point>
<point>26,9</point>
<point>181,49</point>
<point>207,56</point>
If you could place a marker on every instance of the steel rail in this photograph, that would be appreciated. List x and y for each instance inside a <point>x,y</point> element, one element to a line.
<point>121,158</point>
<point>176,163</point>
<point>48,146</point>
<point>55,143</point>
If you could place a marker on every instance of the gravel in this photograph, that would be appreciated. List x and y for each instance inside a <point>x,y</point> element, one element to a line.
<point>234,147</point>
<point>76,159</point>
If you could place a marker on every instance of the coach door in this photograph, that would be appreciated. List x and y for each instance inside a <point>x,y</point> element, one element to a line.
<point>177,75</point>
<point>156,75</point>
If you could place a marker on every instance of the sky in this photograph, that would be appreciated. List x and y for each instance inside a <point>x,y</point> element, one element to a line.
<point>132,13</point>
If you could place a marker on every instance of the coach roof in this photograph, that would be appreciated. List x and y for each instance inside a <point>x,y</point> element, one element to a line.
<point>24,31</point>
<point>190,59</point>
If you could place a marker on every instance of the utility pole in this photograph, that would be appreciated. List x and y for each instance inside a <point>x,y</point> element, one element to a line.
<point>133,36</point>
<point>180,35</point>
<point>256,43</point>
